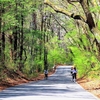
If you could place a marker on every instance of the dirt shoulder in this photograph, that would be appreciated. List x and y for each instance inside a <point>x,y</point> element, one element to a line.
<point>9,82</point>
<point>92,86</point>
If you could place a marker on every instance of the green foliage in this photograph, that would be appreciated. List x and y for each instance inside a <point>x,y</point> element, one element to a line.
<point>56,55</point>
<point>81,60</point>
<point>95,9</point>
<point>98,24</point>
<point>85,60</point>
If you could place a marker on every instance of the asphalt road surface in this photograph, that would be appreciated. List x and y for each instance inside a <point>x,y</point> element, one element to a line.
<point>58,87</point>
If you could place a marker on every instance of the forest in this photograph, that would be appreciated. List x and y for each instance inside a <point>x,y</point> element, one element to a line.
<point>39,34</point>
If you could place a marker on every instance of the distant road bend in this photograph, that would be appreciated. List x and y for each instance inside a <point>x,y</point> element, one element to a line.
<point>58,87</point>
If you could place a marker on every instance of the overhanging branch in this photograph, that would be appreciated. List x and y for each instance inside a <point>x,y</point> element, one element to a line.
<point>63,11</point>
<point>56,8</point>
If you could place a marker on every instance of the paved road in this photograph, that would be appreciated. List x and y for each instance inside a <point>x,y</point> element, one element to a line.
<point>58,86</point>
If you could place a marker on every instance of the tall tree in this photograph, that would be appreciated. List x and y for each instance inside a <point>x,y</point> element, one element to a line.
<point>2,36</point>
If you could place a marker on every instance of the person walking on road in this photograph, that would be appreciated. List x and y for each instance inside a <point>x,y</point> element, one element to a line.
<point>74,74</point>
<point>46,74</point>
<point>71,72</point>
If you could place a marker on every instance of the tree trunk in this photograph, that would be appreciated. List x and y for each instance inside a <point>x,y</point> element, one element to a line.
<point>15,43</point>
<point>0,32</point>
<point>3,49</point>
<point>45,37</point>
<point>91,23</point>
<point>88,14</point>
<point>2,38</point>
<point>21,38</point>
<point>34,21</point>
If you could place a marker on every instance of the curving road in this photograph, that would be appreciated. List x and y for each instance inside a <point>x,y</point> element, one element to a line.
<point>58,86</point>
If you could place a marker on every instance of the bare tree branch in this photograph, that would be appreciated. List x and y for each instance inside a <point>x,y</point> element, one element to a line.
<point>59,22</point>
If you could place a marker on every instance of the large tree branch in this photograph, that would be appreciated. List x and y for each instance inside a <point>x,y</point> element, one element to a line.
<point>63,11</point>
<point>56,8</point>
